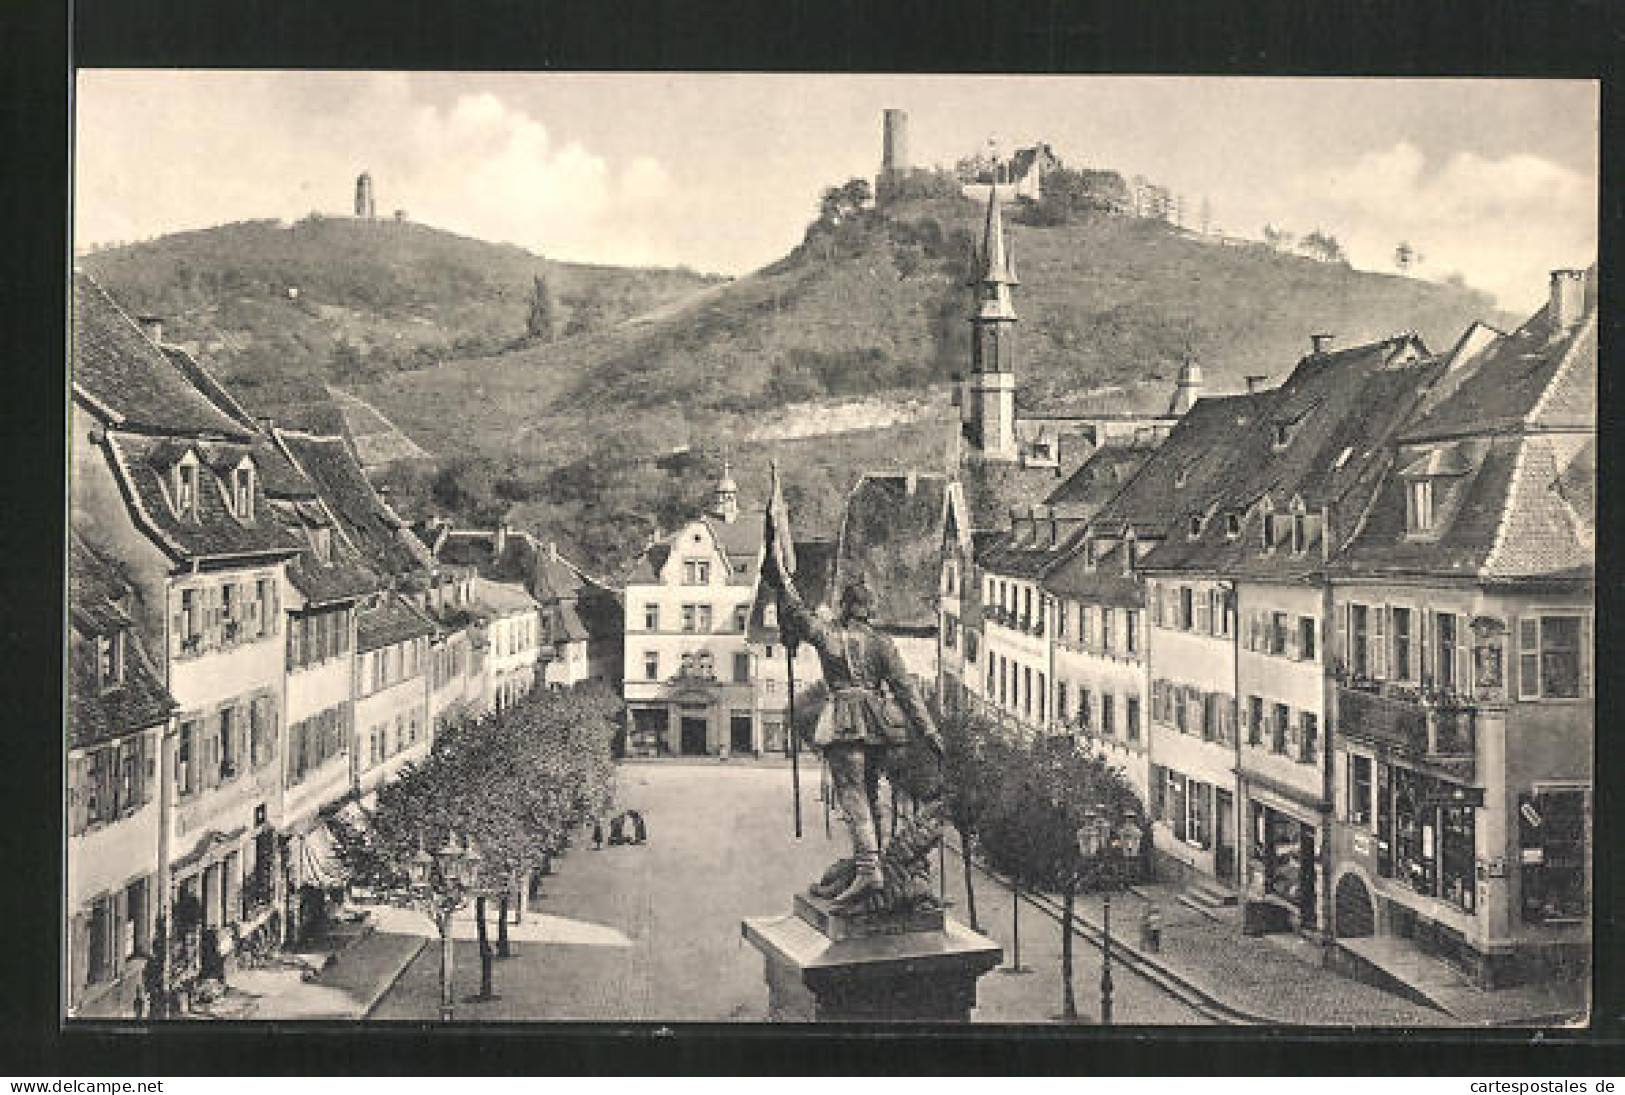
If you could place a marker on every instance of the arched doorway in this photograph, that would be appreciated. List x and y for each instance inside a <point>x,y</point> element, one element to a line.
<point>1355,916</point>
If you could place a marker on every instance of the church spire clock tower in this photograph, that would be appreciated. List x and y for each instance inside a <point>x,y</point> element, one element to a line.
<point>988,415</point>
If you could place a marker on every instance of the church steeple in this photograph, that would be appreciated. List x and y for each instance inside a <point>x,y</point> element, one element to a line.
<point>725,497</point>
<point>989,402</point>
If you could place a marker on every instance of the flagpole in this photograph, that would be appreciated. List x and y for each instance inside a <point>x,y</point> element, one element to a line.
<point>779,545</point>
<point>794,743</point>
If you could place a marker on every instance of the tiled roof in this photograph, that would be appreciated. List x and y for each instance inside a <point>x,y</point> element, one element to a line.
<point>741,539</point>
<point>646,571</point>
<point>891,538</point>
<point>208,384</point>
<point>1198,457</point>
<point>1506,383</point>
<point>503,598</point>
<point>143,466</point>
<point>385,543</point>
<point>1094,483</point>
<point>388,622</point>
<point>1523,420</point>
<point>139,700</point>
<point>1104,583</point>
<point>1342,411</point>
<point>127,379</point>
<point>1031,547</point>
<point>815,579</point>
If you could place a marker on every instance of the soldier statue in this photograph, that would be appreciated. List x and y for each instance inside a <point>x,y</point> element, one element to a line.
<point>873,713</point>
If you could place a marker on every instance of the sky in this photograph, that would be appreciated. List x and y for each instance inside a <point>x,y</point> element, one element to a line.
<point>1495,180</point>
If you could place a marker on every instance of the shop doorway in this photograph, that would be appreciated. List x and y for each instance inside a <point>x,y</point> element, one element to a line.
<point>693,743</point>
<point>1353,916</point>
<point>1308,894</point>
<point>1224,837</point>
<point>739,733</point>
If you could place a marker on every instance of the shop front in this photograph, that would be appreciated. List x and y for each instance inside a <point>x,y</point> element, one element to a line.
<point>1283,864</point>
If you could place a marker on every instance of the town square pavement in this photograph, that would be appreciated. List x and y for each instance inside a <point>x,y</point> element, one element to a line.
<point>652,932</point>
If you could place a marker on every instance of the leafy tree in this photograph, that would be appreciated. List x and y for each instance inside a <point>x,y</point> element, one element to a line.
<point>1050,787</point>
<point>1278,239</point>
<point>1322,246</point>
<point>539,321</point>
<point>973,754</point>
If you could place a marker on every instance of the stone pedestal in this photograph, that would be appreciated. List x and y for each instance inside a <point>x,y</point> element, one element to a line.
<point>824,966</point>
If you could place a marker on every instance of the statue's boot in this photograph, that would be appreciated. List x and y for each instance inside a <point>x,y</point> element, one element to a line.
<point>866,879</point>
<point>833,880</point>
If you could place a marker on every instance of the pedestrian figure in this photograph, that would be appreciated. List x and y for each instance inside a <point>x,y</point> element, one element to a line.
<point>640,832</point>
<point>617,830</point>
<point>597,834</point>
<point>1151,929</point>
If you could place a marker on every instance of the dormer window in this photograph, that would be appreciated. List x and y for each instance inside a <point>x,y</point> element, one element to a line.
<point>1196,526</point>
<point>186,488</point>
<point>1180,478</point>
<point>1282,436</point>
<point>110,660</point>
<point>321,544</point>
<point>1300,534</point>
<point>1419,506</point>
<point>242,491</point>
<point>1232,526</point>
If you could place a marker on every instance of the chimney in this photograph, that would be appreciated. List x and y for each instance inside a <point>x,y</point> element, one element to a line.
<point>1568,300</point>
<point>1321,341</point>
<point>499,542</point>
<point>553,550</point>
<point>1254,380</point>
<point>153,328</point>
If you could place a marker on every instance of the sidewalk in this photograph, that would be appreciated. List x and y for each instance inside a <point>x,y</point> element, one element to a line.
<point>365,964</point>
<point>1229,977</point>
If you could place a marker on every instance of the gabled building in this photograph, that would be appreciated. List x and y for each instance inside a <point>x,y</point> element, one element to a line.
<point>1256,547</point>
<point>815,579</point>
<point>327,583</point>
<point>690,673</point>
<point>1463,663</point>
<point>118,718</point>
<point>581,616</point>
<point>1185,627</point>
<point>171,485</point>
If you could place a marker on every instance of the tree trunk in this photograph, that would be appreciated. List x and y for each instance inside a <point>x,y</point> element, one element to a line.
<point>521,887</point>
<point>443,922</point>
<point>1069,1002</point>
<point>485,948</point>
<point>502,923</point>
<point>970,888</point>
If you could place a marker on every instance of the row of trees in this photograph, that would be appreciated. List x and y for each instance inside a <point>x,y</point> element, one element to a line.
<point>508,786</point>
<point>1021,803</point>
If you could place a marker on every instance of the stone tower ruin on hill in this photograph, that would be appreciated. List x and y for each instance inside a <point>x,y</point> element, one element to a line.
<point>365,207</point>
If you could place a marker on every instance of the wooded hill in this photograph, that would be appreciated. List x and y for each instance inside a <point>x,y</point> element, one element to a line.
<point>600,436</point>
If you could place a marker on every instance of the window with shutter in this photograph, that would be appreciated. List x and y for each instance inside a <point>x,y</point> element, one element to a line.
<point>78,777</point>
<point>1379,642</point>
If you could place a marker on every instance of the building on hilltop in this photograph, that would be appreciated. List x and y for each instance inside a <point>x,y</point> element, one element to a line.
<point>366,206</point>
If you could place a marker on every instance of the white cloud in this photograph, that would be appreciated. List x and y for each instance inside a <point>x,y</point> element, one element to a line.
<point>1501,222</point>
<point>475,164</point>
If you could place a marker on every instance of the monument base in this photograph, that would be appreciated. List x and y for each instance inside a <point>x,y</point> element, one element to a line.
<point>825,966</point>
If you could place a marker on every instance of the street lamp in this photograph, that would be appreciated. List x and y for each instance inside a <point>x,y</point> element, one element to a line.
<point>1107,847</point>
<point>441,882</point>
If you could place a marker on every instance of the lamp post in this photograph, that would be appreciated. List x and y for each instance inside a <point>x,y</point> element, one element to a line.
<point>441,882</point>
<point>1106,846</point>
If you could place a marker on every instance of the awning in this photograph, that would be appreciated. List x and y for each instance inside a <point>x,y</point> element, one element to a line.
<point>319,862</point>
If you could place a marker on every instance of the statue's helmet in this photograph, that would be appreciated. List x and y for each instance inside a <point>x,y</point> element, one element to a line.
<point>857,602</point>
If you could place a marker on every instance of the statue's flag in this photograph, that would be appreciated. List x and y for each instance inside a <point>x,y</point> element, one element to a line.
<point>778,542</point>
